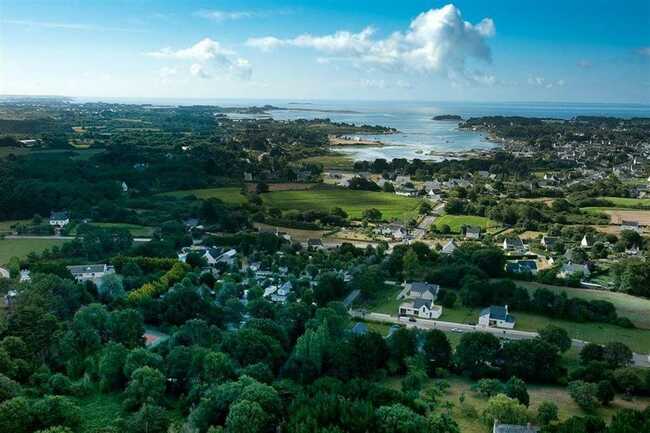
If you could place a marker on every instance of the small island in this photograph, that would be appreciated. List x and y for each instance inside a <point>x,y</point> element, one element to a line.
<point>448,117</point>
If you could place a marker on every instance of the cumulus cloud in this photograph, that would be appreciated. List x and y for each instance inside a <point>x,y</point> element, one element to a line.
<point>206,54</point>
<point>438,41</point>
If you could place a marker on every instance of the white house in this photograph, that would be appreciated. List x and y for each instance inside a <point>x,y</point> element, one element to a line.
<point>549,242</point>
<point>422,308</point>
<point>449,247</point>
<point>573,268</point>
<point>59,219</point>
<point>394,230</point>
<point>282,293</point>
<point>212,255</point>
<point>585,243</point>
<point>90,272</point>
<point>496,316</point>
<point>419,290</point>
<point>631,225</point>
<point>473,233</point>
<point>513,245</point>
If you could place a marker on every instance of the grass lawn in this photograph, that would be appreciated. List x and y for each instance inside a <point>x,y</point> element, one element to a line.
<point>22,247</point>
<point>134,229</point>
<point>384,302</point>
<point>637,339</point>
<point>351,201</point>
<point>331,162</point>
<point>538,393</point>
<point>627,202</point>
<point>635,309</point>
<point>229,195</point>
<point>455,222</point>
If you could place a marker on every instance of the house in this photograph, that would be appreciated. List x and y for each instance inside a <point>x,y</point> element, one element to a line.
<point>513,245</point>
<point>422,308</point>
<point>401,180</point>
<point>190,223</point>
<point>521,266</point>
<point>631,225</point>
<point>9,298</point>
<point>419,290</point>
<point>549,242</point>
<point>59,219</point>
<point>315,244</point>
<point>406,191</point>
<point>25,276</point>
<point>633,250</point>
<point>449,247</point>
<point>360,328</point>
<point>513,428</point>
<point>282,293</point>
<point>472,232</point>
<point>394,230</point>
<point>585,242</point>
<point>496,316</point>
<point>125,187</point>
<point>90,272</point>
<point>212,255</point>
<point>573,268</point>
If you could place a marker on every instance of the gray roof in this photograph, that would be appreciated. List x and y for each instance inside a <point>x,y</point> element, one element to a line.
<point>514,242</point>
<point>630,223</point>
<point>514,428</point>
<point>418,303</point>
<point>497,312</point>
<point>421,287</point>
<point>83,269</point>
<point>314,242</point>
<point>473,229</point>
<point>59,215</point>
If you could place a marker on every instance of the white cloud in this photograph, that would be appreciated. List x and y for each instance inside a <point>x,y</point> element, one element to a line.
<point>166,72</point>
<point>403,84</point>
<point>543,82</point>
<point>70,26</point>
<point>438,41</point>
<point>373,84</point>
<point>205,54</point>
<point>220,15</point>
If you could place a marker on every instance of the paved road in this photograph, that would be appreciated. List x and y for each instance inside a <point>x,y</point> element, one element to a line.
<point>61,238</point>
<point>640,359</point>
<point>423,227</point>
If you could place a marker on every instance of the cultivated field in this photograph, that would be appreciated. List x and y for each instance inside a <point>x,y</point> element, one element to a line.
<point>628,202</point>
<point>617,215</point>
<point>134,229</point>
<point>353,202</point>
<point>229,195</point>
<point>289,186</point>
<point>455,222</point>
<point>331,162</point>
<point>296,234</point>
<point>22,247</point>
<point>5,226</point>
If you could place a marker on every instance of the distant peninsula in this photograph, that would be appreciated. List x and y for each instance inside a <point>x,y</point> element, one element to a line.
<point>455,117</point>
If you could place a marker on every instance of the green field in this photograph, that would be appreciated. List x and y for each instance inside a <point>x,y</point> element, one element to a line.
<point>351,201</point>
<point>634,308</point>
<point>455,222</point>
<point>637,339</point>
<point>229,195</point>
<point>625,202</point>
<point>22,247</point>
<point>98,411</point>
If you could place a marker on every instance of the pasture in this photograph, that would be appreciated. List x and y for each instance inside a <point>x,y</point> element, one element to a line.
<point>628,202</point>
<point>455,222</point>
<point>22,247</point>
<point>351,201</point>
<point>229,195</point>
<point>618,214</point>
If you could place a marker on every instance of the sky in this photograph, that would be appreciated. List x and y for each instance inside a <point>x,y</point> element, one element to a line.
<point>469,50</point>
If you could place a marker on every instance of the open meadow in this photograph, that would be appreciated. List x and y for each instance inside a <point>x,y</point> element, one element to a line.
<point>618,214</point>
<point>455,222</point>
<point>229,195</point>
<point>22,247</point>
<point>351,201</point>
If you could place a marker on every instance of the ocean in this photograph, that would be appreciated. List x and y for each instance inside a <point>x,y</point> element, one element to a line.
<point>418,134</point>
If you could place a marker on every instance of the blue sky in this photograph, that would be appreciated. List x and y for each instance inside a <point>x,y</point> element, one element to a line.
<point>497,50</point>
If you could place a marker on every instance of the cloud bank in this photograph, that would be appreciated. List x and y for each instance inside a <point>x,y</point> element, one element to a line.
<point>437,41</point>
<point>209,59</point>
